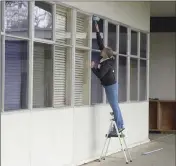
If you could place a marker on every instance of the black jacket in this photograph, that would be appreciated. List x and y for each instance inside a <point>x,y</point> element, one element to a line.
<point>106,70</point>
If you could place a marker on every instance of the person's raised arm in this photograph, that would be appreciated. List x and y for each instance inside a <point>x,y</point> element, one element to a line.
<point>99,39</point>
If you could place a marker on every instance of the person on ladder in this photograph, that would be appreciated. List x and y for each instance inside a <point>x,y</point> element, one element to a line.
<point>106,73</point>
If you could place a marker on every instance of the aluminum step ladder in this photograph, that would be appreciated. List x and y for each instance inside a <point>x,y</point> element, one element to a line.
<point>113,133</point>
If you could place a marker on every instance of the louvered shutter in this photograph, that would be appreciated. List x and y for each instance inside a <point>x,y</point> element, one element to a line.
<point>38,76</point>
<point>81,27</point>
<point>61,25</point>
<point>79,77</point>
<point>60,58</point>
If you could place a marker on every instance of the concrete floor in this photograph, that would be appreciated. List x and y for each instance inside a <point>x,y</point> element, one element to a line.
<point>164,157</point>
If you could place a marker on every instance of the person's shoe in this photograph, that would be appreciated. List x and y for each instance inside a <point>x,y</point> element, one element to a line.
<point>121,129</point>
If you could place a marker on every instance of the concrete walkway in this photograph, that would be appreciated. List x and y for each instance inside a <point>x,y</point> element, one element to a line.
<point>164,157</point>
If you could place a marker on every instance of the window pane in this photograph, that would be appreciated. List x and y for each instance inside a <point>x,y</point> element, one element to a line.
<point>43,20</point>
<point>133,79</point>
<point>81,74</point>
<point>122,79</point>
<point>123,40</point>
<point>134,43</point>
<point>0,73</point>
<point>63,25</point>
<point>143,80</point>
<point>16,74</point>
<point>42,76</point>
<point>96,87</point>
<point>94,39</point>
<point>16,18</point>
<point>82,29</point>
<point>143,45</point>
<point>112,41</point>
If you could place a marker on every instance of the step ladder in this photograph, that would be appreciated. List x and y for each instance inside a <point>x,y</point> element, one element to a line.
<point>113,133</point>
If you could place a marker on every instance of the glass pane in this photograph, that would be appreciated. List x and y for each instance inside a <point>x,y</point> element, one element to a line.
<point>63,25</point>
<point>96,87</point>
<point>134,43</point>
<point>0,73</point>
<point>82,29</point>
<point>122,79</point>
<point>143,80</point>
<point>112,41</point>
<point>43,20</point>
<point>133,79</point>
<point>143,45</point>
<point>123,40</point>
<point>42,76</point>
<point>16,74</point>
<point>94,39</point>
<point>16,18</point>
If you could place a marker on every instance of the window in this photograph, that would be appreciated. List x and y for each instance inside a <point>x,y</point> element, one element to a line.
<point>134,43</point>
<point>17,18</point>
<point>16,74</point>
<point>82,66</point>
<point>0,72</point>
<point>143,45</point>
<point>122,80</point>
<point>62,58</point>
<point>82,27</point>
<point>133,79</point>
<point>96,87</point>
<point>81,78</point>
<point>143,80</point>
<point>42,76</point>
<point>43,20</point>
<point>94,39</point>
<point>112,39</point>
<point>123,41</point>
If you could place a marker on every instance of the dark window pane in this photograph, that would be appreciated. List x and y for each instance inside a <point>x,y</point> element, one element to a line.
<point>112,41</point>
<point>16,74</point>
<point>134,39</point>
<point>42,76</point>
<point>96,87</point>
<point>123,40</point>
<point>94,39</point>
<point>16,18</point>
<point>122,79</point>
<point>143,45</point>
<point>43,20</point>
<point>143,80</point>
<point>133,79</point>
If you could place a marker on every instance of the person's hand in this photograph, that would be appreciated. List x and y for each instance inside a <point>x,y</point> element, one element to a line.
<point>92,64</point>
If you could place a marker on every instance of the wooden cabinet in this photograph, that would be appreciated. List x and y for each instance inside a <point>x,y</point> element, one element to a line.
<point>162,115</point>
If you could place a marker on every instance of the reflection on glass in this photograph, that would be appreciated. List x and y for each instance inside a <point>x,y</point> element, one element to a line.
<point>112,41</point>
<point>123,40</point>
<point>43,20</point>
<point>16,74</point>
<point>134,43</point>
<point>133,79</point>
<point>143,80</point>
<point>42,76</point>
<point>16,18</point>
<point>143,45</point>
<point>94,39</point>
<point>122,80</point>
<point>96,87</point>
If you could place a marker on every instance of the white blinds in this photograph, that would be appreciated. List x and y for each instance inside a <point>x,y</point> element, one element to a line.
<point>60,58</point>
<point>81,30</point>
<point>79,77</point>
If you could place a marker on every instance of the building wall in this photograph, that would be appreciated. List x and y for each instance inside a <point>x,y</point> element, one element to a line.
<point>72,136</point>
<point>162,66</point>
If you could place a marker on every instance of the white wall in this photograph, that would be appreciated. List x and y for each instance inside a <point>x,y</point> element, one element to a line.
<point>66,136</point>
<point>162,66</point>
<point>70,136</point>
<point>135,14</point>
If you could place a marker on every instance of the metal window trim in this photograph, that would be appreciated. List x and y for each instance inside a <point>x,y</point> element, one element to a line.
<point>138,79</point>
<point>117,50</point>
<point>148,66</point>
